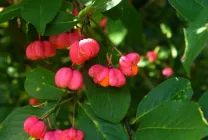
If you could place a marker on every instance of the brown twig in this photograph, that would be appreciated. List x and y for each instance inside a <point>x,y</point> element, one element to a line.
<point>81,6</point>
<point>39,37</point>
<point>49,123</point>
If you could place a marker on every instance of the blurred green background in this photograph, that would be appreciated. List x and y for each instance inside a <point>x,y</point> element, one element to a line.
<point>161,29</point>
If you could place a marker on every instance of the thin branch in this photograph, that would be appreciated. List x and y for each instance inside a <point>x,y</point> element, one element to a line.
<point>74,109</point>
<point>81,6</point>
<point>126,123</point>
<point>146,80</point>
<point>63,102</point>
<point>49,123</point>
<point>50,110</point>
<point>111,44</point>
<point>39,37</point>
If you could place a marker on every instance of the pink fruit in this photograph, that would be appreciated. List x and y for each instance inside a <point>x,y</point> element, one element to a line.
<point>95,69</point>
<point>57,134</point>
<point>29,122</point>
<point>60,41</point>
<point>80,135</point>
<point>100,74</point>
<point>72,134</point>
<point>128,64</point>
<point>66,77</point>
<point>75,12</point>
<point>107,76</point>
<point>48,136</point>
<point>40,50</point>
<point>49,50</point>
<point>64,135</point>
<point>63,77</point>
<point>89,47</point>
<point>83,50</point>
<point>35,50</point>
<point>52,135</point>
<point>34,127</point>
<point>74,36</point>
<point>75,55</point>
<point>168,71</point>
<point>104,22</point>
<point>116,78</point>
<point>76,80</point>
<point>33,101</point>
<point>152,56</point>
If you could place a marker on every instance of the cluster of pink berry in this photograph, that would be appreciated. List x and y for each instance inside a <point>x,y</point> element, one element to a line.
<point>44,49</point>
<point>80,51</point>
<point>64,40</point>
<point>107,76</point>
<point>86,49</point>
<point>40,50</point>
<point>37,129</point>
<point>152,57</point>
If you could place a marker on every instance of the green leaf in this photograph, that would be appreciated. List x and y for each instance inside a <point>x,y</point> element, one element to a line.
<point>5,111</point>
<point>203,3</point>
<point>66,6</point>
<point>116,31</point>
<point>104,5</point>
<point>196,37</point>
<point>40,84</point>
<point>12,127</point>
<point>173,121</point>
<point>96,128</point>
<point>204,104</point>
<point>11,12</point>
<point>189,9</point>
<point>40,12</point>
<point>171,89</point>
<point>4,96</point>
<point>62,22</point>
<point>124,12</point>
<point>101,5</point>
<point>109,103</point>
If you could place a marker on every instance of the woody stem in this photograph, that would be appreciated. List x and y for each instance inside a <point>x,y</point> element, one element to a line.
<point>39,37</point>
<point>111,44</point>
<point>74,109</point>
<point>49,123</point>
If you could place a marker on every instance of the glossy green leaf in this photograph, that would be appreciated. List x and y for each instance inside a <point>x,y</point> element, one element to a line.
<point>40,84</point>
<point>63,22</point>
<point>171,89</point>
<point>12,127</point>
<point>104,5</point>
<point>40,12</point>
<point>203,102</point>
<point>101,5</point>
<point>196,37</point>
<point>189,9</point>
<point>116,31</point>
<point>109,103</point>
<point>11,12</point>
<point>96,128</point>
<point>125,12</point>
<point>174,120</point>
